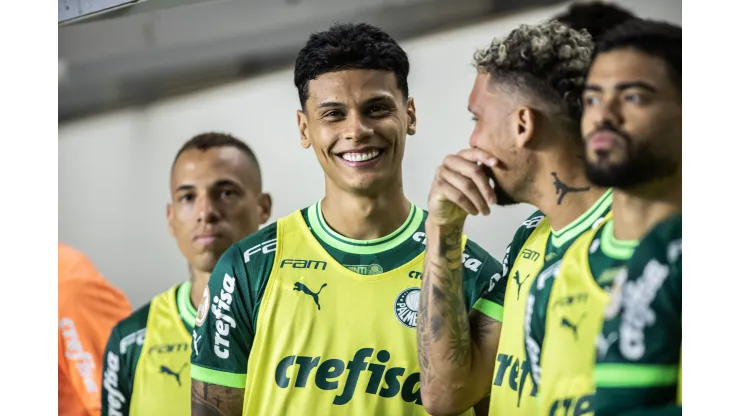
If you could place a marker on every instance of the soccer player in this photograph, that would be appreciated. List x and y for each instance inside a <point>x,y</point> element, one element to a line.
<point>626,273</point>
<point>316,314</point>
<point>526,107</point>
<point>217,199</point>
<point>88,308</point>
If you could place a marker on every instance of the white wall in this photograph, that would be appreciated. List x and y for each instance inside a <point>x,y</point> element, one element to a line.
<point>113,169</point>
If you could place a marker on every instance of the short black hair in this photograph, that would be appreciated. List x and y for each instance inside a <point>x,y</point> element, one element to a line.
<point>595,17</point>
<point>210,140</point>
<point>349,46</point>
<point>655,38</point>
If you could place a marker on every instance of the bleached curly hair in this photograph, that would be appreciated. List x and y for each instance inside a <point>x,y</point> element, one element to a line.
<point>549,62</point>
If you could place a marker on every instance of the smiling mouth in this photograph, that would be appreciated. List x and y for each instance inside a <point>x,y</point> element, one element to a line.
<point>361,156</point>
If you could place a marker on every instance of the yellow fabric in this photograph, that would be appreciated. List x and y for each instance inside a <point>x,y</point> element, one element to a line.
<point>162,377</point>
<point>512,391</point>
<point>330,341</point>
<point>575,314</point>
<point>680,361</point>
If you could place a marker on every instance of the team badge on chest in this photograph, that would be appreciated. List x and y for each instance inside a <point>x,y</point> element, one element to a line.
<point>406,306</point>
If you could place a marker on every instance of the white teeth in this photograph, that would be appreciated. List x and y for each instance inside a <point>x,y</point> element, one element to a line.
<point>361,157</point>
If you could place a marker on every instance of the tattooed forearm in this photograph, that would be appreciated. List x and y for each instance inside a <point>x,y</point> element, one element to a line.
<point>443,329</point>
<point>215,400</point>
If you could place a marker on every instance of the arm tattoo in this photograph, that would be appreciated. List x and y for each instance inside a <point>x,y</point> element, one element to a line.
<point>561,188</point>
<point>214,400</point>
<point>448,322</point>
<point>423,340</point>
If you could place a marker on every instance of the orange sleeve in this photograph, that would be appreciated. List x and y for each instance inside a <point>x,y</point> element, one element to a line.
<point>88,310</point>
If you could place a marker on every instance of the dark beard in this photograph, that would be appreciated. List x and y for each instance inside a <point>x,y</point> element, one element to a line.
<point>641,166</point>
<point>502,197</point>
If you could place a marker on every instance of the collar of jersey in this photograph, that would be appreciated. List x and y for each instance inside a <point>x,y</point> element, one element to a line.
<point>348,245</point>
<point>584,222</point>
<point>184,306</point>
<point>616,249</point>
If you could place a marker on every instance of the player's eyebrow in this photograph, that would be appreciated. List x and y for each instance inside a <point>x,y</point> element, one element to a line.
<point>635,84</point>
<point>621,86</point>
<point>379,98</point>
<point>326,104</point>
<point>224,182</point>
<point>218,184</point>
<point>182,188</point>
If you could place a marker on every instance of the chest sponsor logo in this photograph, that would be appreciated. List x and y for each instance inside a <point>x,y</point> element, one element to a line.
<point>303,264</point>
<point>530,255</point>
<point>300,287</point>
<point>511,373</point>
<point>406,306</point>
<point>638,313</point>
<point>221,309</point>
<point>75,352</point>
<point>116,400</point>
<point>365,269</point>
<point>575,406</point>
<point>298,371</point>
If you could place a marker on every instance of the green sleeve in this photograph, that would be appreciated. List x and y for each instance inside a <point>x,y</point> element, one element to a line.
<point>491,300</point>
<point>482,273</point>
<point>119,362</point>
<point>639,349</point>
<point>223,340</point>
<point>536,316</point>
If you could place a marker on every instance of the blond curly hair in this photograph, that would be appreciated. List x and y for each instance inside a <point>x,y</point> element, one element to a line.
<point>548,61</point>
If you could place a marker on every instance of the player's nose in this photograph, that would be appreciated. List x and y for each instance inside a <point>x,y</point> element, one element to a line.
<point>357,127</point>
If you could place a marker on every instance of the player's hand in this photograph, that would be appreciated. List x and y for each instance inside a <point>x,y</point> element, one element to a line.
<point>461,188</point>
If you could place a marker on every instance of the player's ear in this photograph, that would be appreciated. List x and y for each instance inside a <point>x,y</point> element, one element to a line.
<point>411,114</point>
<point>524,126</point>
<point>170,219</point>
<point>303,128</point>
<point>265,204</point>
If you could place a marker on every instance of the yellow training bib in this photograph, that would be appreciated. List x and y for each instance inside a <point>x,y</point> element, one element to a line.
<point>162,376</point>
<point>574,318</point>
<point>513,391</point>
<point>330,341</point>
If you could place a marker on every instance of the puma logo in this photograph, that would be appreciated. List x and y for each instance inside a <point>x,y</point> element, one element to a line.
<point>302,288</point>
<point>166,370</point>
<point>519,283</point>
<point>566,323</point>
<point>562,189</point>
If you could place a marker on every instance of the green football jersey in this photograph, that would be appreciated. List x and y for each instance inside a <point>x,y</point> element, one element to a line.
<point>127,337</point>
<point>607,257</point>
<point>240,281</point>
<point>623,385</point>
<point>639,349</point>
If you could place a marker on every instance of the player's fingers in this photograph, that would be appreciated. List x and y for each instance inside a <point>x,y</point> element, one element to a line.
<point>467,186</point>
<point>475,172</point>
<point>455,196</point>
<point>478,155</point>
